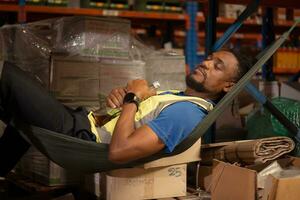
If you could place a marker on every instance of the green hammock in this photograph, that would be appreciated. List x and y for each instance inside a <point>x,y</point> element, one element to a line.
<point>77,154</point>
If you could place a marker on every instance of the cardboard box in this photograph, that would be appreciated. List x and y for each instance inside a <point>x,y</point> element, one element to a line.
<point>85,79</point>
<point>226,178</point>
<point>290,90</point>
<point>284,185</point>
<point>117,73</point>
<point>230,10</point>
<point>139,183</point>
<point>205,177</point>
<point>281,14</point>
<point>74,78</point>
<point>192,154</point>
<point>230,182</point>
<point>169,70</point>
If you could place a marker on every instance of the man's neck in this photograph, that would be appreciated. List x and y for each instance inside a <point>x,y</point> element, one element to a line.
<point>204,95</point>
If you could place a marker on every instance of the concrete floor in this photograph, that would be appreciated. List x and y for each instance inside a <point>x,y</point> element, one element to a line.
<point>9,191</point>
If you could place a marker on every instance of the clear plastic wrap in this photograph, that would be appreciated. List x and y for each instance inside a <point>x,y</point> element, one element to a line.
<point>29,47</point>
<point>92,36</point>
<point>82,58</point>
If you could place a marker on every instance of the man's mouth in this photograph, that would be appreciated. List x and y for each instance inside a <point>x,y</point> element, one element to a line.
<point>200,70</point>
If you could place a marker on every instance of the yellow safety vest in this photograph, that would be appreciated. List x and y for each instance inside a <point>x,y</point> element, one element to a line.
<point>148,110</point>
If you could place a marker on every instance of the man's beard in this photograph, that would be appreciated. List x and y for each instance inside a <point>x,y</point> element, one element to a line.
<point>193,84</point>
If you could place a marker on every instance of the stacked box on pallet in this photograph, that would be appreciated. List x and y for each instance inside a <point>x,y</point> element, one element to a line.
<point>168,69</point>
<point>40,169</point>
<point>28,47</point>
<point>117,73</point>
<point>94,37</point>
<point>88,82</point>
<point>92,58</point>
<point>74,78</point>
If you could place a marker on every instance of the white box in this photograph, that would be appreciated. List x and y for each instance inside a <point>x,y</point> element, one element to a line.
<point>139,183</point>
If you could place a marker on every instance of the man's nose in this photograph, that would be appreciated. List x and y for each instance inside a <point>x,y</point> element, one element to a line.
<point>204,65</point>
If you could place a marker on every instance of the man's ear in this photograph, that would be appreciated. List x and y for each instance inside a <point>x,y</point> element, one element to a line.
<point>228,86</point>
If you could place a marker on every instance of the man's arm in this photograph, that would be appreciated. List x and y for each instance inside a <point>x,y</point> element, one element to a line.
<point>128,143</point>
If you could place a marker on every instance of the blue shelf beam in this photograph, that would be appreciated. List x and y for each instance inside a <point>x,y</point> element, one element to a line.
<point>192,37</point>
<point>268,36</point>
<point>210,26</point>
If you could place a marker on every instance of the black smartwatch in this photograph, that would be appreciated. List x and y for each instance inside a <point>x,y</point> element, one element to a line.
<point>132,98</point>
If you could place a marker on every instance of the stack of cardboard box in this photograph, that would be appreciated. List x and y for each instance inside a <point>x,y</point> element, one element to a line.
<point>40,169</point>
<point>277,180</point>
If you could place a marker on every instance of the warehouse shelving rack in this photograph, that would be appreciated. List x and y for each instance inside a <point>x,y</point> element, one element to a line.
<point>190,20</point>
<point>268,37</point>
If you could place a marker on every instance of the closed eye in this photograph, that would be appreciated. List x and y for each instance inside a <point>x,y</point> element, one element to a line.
<point>218,64</point>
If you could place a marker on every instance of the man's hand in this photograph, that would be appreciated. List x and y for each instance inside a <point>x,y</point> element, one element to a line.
<point>140,88</point>
<point>115,98</point>
<point>129,143</point>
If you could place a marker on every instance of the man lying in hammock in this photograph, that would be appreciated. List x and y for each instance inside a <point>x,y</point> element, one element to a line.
<point>147,122</point>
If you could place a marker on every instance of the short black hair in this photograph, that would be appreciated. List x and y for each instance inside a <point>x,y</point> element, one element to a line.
<point>245,62</point>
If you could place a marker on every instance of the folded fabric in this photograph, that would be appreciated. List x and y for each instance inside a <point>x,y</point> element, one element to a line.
<point>248,152</point>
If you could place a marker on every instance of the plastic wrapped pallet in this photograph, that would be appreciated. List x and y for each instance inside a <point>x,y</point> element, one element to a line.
<point>39,168</point>
<point>29,47</point>
<point>166,68</point>
<point>116,73</point>
<point>95,56</point>
<point>74,78</point>
<point>86,80</point>
<point>91,36</point>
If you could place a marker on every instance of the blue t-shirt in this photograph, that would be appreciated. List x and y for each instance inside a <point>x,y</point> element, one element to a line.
<point>176,122</point>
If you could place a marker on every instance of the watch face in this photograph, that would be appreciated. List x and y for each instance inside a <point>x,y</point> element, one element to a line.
<point>129,97</point>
